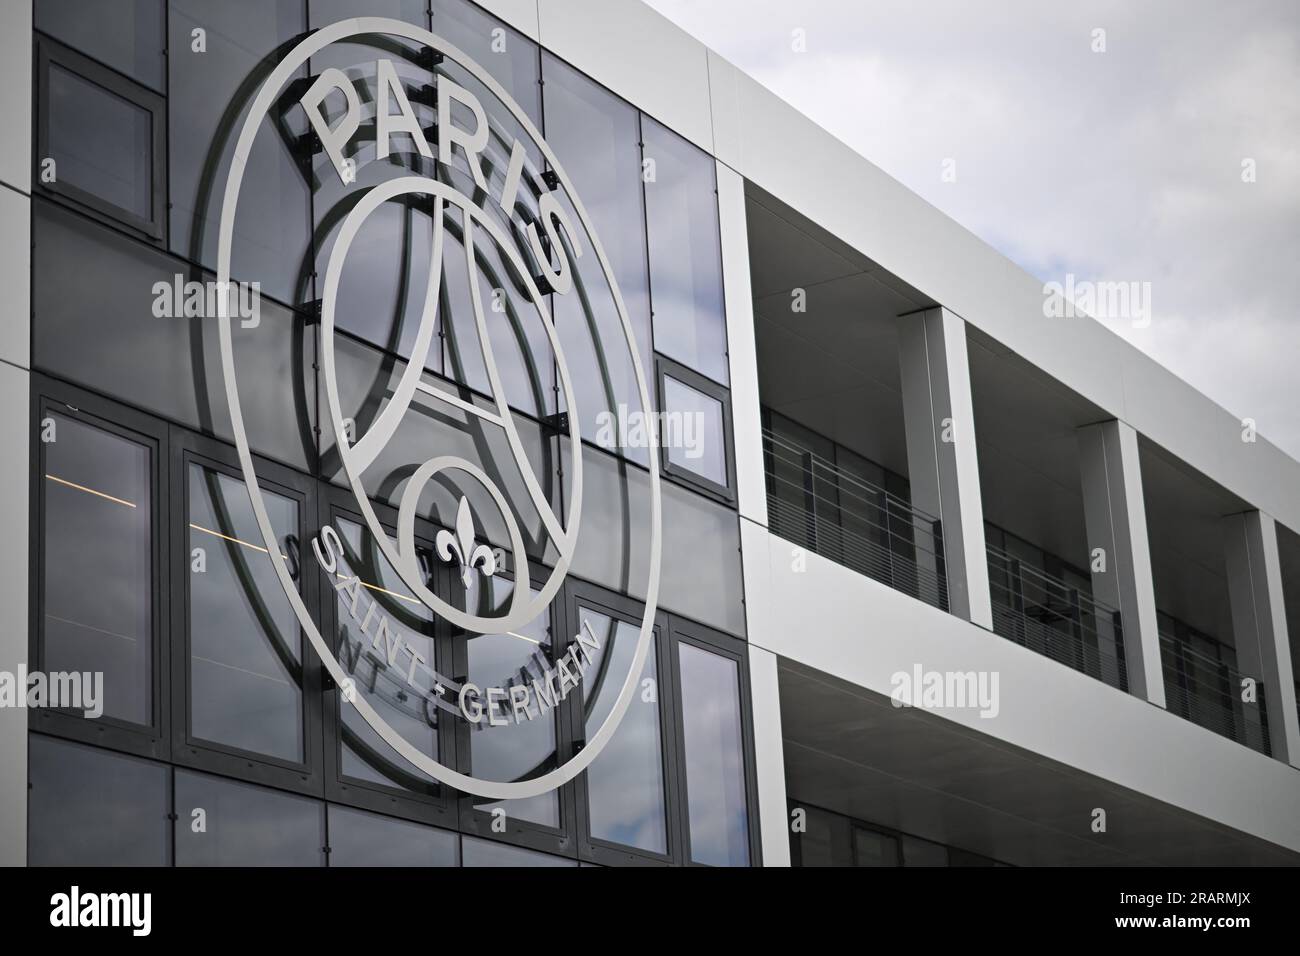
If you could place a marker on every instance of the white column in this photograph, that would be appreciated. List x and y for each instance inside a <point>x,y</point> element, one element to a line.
<point>15,391</point>
<point>1116,521</point>
<point>769,757</point>
<point>742,348</point>
<point>942,465</point>
<point>1259,628</point>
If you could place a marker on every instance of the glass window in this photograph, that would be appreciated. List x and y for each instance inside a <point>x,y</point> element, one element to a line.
<point>367,756</point>
<point>358,838</point>
<point>512,751</point>
<point>825,841</point>
<point>596,137</point>
<point>685,253</point>
<point>124,34</point>
<point>245,647</point>
<point>625,784</point>
<point>871,848</point>
<point>918,852</point>
<point>509,56</point>
<point>90,807</point>
<point>693,431</point>
<point>207,95</point>
<point>714,757</point>
<point>476,852</point>
<point>223,822</point>
<point>97,539</point>
<point>101,144</point>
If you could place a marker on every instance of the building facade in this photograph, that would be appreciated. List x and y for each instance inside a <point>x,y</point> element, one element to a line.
<point>506,434</point>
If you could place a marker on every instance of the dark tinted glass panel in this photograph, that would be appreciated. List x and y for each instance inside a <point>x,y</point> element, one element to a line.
<point>625,784</point>
<point>715,758</point>
<point>475,852</point>
<point>700,574</point>
<point>874,849</point>
<point>90,807</point>
<point>358,838</point>
<point>596,137</point>
<point>245,648</point>
<point>509,56</point>
<point>124,34</point>
<point>825,840</point>
<point>366,756</point>
<point>224,823</point>
<point>96,293</point>
<point>918,852</point>
<point>692,431</point>
<point>510,751</point>
<point>100,142</point>
<point>98,563</point>
<point>685,255</point>
<point>208,94</point>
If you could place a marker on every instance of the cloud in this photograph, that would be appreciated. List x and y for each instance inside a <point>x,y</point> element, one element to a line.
<point>1124,165</point>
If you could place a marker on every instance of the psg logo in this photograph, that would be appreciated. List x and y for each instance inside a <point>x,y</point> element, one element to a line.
<point>510,203</point>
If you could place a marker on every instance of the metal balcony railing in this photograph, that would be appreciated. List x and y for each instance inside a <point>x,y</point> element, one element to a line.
<point>1046,615</point>
<point>817,505</point>
<point>1209,693</point>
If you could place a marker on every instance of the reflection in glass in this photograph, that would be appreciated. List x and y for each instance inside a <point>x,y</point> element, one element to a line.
<point>871,848</point>
<point>245,648</point>
<point>715,763</point>
<point>98,563</point>
<point>207,94</point>
<point>358,838</point>
<point>694,434</point>
<point>90,807</point>
<point>476,852</point>
<point>124,34</point>
<point>625,784</point>
<point>245,825</point>
<point>596,137</point>
<point>510,751</point>
<point>366,755</point>
<point>100,142</point>
<point>685,255</point>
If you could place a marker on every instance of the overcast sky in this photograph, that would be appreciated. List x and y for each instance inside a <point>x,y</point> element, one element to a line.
<point>1123,165</point>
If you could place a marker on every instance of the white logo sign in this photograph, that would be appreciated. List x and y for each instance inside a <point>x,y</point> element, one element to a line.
<point>538,248</point>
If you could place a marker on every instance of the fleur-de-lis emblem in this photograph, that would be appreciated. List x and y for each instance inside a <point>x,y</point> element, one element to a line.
<point>462,546</point>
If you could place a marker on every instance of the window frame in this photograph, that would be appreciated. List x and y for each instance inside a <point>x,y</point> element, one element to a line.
<point>50,52</point>
<point>435,809</point>
<point>210,756</point>
<point>592,849</point>
<point>684,631</point>
<point>665,368</point>
<point>152,740</point>
<point>472,821</point>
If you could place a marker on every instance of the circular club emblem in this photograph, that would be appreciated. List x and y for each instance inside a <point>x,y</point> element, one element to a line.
<point>537,244</point>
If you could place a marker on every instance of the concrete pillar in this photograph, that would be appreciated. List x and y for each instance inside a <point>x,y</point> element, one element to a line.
<point>942,464</point>
<point>742,348</point>
<point>1259,626</point>
<point>1116,520</point>
<point>15,392</point>
<point>769,758</point>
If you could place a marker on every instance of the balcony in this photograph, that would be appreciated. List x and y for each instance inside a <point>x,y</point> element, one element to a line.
<point>1208,692</point>
<point>1044,614</point>
<point>820,506</point>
